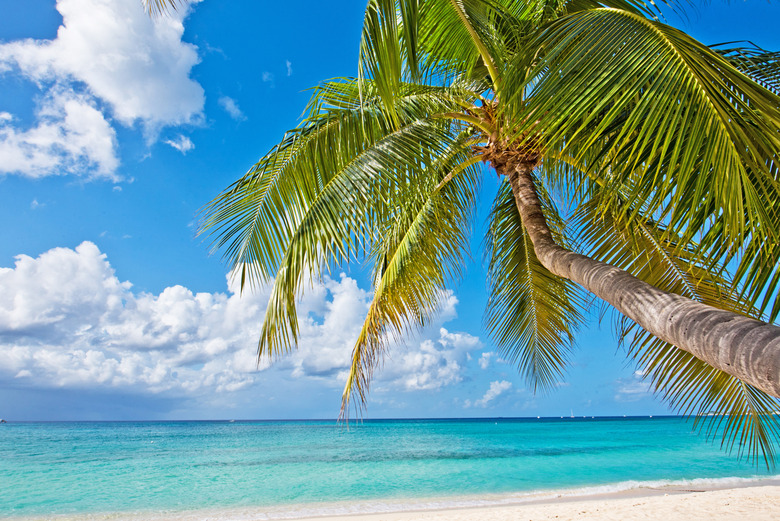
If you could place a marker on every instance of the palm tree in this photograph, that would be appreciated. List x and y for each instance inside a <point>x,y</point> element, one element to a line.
<point>640,165</point>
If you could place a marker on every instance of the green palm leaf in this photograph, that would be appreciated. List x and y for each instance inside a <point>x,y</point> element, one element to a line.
<point>419,249</point>
<point>659,111</point>
<point>160,7</point>
<point>532,314</point>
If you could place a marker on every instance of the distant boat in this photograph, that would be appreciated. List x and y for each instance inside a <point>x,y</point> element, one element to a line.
<point>3,421</point>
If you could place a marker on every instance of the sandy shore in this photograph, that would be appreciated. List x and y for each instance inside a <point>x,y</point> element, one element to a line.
<point>753,503</point>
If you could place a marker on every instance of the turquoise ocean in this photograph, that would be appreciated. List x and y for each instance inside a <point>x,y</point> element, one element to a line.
<point>269,469</point>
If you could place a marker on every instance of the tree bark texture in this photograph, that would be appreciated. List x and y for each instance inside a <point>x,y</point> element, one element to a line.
<point>738,345</point>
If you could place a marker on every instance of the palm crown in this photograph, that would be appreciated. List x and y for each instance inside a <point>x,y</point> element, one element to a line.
<point>620,138</point>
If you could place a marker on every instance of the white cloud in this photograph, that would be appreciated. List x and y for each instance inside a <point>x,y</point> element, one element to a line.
<point>496,389</point>
<point>182,143</point>
<point>67,321</point>
<point>288,63</point>
<point>331,318</point>
<point>137,64</point>
<point>108,54</point>
<point>231,107</point>
<point>334,314</point>
<point>484,360</point>
<point>435,360</point>
<point>268,77</point>
<point>71,137</point>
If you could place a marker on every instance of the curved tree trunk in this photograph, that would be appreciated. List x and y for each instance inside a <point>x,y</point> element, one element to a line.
<point>740,346</point>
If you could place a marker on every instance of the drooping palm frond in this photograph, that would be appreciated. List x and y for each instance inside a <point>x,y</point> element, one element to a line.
<point>675,120</point>
<point>322,196</point>
<point>419,249</point>
<point>722,405</point>
<point>758,273</point>
<point>531,314</point>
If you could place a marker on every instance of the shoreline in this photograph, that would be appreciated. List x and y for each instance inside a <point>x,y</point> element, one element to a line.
<point>716,499</point>
<point>757,502</point>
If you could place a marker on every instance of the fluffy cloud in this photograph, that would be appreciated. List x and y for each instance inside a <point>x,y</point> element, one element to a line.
<point>433,362</point>
<point>71,136</point>
<point>67,321</point>
<point>433,359</point>
<point>138,65</point>
<point>330,323</point>
<point>496,389</point>
<point>113,55</point>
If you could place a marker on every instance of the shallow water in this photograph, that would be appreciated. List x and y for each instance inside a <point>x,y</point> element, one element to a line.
<point>316,466</point>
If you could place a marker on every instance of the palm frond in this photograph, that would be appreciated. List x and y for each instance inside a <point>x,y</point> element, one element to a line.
<point>531,314</point>
<point>419,248</point>
<point>691,134</point>
<point>320,197</point>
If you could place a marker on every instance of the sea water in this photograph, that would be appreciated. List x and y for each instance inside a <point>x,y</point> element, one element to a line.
<point>267,469</point>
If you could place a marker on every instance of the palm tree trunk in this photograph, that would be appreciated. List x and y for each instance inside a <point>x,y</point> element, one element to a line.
<point>738,345</point>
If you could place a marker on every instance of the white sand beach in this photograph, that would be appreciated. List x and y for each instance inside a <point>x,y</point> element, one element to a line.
<point>754,503</point>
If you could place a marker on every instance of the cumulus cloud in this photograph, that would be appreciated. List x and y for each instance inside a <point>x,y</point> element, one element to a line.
<point>72,136</point>
<point>182,143</point>
<point>432,363</point>
<point>137,64</point>
<point>330,317</point>
<point>334,316</point>
<point>111,56</point>
<point>67,321</point>
<point>231,107</point>
<point>496,389</point>
<point>431,359</point>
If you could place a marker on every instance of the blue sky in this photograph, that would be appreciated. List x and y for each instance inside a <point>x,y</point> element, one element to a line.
<point>115,130</point>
